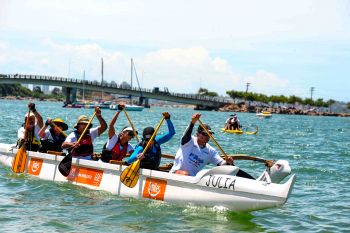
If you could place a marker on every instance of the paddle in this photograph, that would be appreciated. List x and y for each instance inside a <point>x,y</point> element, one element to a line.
<point>132,125</point>
<point>212,138</point>
<point>268,163</point>
<point>20,160</point>
<point>66,163</point>
<point>59,129</point>
<point>130,175</point>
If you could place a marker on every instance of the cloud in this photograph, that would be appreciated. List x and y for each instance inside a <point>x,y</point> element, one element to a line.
<point>270,84</point>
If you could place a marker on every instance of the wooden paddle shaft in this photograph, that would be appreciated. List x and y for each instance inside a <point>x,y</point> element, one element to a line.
<point>153,135</point>
<point>59,129</point>
<point>268,163</point>
<point>86,128</point>
<point>132,125</point>
<point>212,138</point>
<point>26,127</point>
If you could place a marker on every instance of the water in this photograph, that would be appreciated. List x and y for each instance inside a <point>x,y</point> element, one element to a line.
<point>317,149</point>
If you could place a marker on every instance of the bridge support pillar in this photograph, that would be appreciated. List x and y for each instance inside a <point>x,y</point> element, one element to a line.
<point>144,101</point>
<point>71,95</point>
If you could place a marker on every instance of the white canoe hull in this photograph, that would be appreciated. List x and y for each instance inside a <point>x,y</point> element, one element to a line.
<point>211,187</point>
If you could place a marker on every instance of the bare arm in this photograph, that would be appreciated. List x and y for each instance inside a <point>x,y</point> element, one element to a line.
<point>111,130</point>
<point>41,132</point>
<point>103,124</point>
<point>37,115</point>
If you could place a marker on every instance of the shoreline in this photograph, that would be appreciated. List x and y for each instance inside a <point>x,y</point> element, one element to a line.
<point>279,110</point>
<point>227,108</point>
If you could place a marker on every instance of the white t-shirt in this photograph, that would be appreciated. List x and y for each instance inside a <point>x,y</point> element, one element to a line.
<point>111,142</point>
<point>233,120</point>
<point>190,157</point>
<point>93,133</point>
<point>20,132</point>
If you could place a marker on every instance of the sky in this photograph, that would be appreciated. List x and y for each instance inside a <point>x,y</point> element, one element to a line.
<point>278,47</point>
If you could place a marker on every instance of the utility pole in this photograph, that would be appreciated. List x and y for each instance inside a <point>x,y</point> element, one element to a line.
<point>84,87</point>
<point>102,79</point>
<point>312,91</point>
<point>246,90</point>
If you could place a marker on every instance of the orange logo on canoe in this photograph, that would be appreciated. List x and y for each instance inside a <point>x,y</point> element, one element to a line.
<point>154,189</point>
<point>85,175</point>
<point>35,166</point>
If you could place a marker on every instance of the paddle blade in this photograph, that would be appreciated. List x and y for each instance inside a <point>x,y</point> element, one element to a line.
<point>130,175</point>
<point>65,165</point>
<point>20,160</point>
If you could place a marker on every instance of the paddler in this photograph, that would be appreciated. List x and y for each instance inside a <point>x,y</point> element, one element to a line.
<point>195,152</point>
<point>235,123</point>
<point>228,122</point>
<point>85,149</point>
<point>118,146</point>
<point>52,139</point>
<point>151,158</point>
<point>35,122</point>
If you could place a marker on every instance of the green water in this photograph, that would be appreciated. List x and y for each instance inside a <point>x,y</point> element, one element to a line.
<point>317,148</point>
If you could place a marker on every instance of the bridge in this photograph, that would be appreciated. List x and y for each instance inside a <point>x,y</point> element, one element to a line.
<point>201,102</point>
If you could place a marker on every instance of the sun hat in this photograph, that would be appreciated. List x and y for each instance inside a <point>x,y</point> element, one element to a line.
<point>201,130</point>
<point>59,122</point>
<point>82,120</point>
<point>130,131</point>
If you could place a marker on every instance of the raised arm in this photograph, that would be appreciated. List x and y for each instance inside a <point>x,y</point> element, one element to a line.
<point>111,130</point>
<point>171,130</point>
<point>37,115</point>
<point>187,134</point>
<point>103,124</point>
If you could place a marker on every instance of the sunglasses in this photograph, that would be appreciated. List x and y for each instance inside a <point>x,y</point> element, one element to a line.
<point>205,134</point>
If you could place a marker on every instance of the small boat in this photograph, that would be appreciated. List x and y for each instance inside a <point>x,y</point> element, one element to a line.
<point>239,131</point>
<point>128,107</point>
<point>218,186</point>
<point>264,114</point>
<point>72,106</point>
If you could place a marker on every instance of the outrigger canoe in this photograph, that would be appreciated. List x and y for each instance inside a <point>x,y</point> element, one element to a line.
<point>217,186</point>
<point>264,114</point>
<point>238,131</point>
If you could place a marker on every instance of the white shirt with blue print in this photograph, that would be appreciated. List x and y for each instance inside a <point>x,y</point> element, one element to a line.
<point>190,157</point>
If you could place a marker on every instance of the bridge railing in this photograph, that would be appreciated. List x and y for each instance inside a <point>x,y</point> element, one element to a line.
<point>114,85</point>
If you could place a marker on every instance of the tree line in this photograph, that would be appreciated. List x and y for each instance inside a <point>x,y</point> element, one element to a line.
<point>20,91</point>
<point>258,97</point>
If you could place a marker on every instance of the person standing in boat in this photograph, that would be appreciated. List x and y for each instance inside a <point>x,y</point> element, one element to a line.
<point>195,152</point>
<point>35,122</point>
<point>235,123</point>
<point>52,139</point>
<point>151,158</point>
<point>118,146</point>
<point>84,149</point>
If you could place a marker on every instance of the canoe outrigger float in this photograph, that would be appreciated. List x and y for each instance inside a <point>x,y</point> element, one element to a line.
<point>218,186</point>
<point>264,114</point>
<point>239,131</point>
